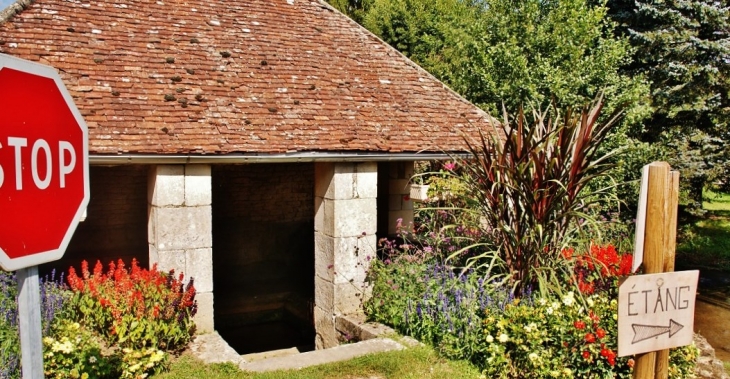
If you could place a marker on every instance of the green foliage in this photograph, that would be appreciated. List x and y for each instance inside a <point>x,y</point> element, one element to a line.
<point>139,363</point>
<point>135,308</point>
<point>75,352</point>
<point>355,9</point>
<point>529,187</point>
<point>683,48</point>
<point>705,242</point>
<point>465,315</point>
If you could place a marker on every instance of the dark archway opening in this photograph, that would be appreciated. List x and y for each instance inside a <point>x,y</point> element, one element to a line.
<point>263,256</point>
<point>116,221</point>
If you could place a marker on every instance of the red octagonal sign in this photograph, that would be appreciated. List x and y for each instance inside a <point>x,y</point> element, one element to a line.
<point>44,174</point>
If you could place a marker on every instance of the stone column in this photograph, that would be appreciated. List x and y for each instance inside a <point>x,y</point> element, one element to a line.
<point>400,205</point>
<point>180,232</point>
<point>345,241</point>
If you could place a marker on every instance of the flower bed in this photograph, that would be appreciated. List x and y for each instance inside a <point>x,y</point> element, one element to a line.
<point>122,323</point>
<point>562,333</point>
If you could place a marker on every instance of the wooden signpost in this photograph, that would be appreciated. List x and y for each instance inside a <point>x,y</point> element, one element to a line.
<point>656,310</point>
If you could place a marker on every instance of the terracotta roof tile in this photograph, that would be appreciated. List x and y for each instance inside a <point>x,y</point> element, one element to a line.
<point>249,76</point>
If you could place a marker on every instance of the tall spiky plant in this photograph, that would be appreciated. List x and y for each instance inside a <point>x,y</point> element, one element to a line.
<point>528,180</point>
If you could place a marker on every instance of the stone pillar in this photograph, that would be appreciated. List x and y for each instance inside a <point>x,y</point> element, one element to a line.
<point>345,241</point>
<point>400,205</point>
<point>180,232</point>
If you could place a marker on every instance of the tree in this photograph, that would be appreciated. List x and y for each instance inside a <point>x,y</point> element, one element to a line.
<point>683,48</point>
<point>530,52</point>
<point>513,52</point>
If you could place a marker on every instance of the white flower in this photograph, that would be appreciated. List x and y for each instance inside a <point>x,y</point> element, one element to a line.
<point>528,329</point>
<point>490,339</point>
<point>542,301</point>
<point>556,305</point>
<point>590,302</point>
<point>503,338</point>
<point>533,356</point>
<point>568,300</point>
<point>92,359</point>
<point>549,310</point>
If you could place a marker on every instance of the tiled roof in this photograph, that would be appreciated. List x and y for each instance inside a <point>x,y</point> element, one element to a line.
<point>246,76</point>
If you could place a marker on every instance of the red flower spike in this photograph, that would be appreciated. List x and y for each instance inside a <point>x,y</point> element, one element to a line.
<point>590,338</point>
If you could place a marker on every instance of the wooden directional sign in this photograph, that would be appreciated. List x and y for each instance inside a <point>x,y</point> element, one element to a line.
<point>656,311</point>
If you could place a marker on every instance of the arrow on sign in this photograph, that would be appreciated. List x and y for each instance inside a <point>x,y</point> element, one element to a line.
<point>644,332</point>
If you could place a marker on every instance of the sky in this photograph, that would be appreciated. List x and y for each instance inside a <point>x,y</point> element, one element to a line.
<point>5,3</point>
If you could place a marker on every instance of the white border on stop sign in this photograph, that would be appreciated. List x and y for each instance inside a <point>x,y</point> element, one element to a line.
<point>51,73</point>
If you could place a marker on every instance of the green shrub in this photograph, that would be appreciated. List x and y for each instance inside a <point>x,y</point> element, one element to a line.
<point>135,308</point>
<point>75,352</point>
<point>529,177</point>
<point>465,315</point>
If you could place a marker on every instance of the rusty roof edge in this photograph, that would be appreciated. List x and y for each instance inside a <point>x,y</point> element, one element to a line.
<point>300,157</point>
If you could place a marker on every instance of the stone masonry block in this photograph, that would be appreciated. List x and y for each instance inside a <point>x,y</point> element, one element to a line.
<point>319,214</point>
<point>166,185</point>
<point>349,297</point>
<point>181,228</point>
<point>352,258</point>
<point>204,318</point>
<point>343,181</point>
<point>324,294</point>
<point>340,260</point>
<point>324,326</point>
<point>324,256</point>
<point>401,170</point>
<point>171,260</point>
<point>399,186</point>
<point>395,202</point>
<point>323,174</point>
<point>366,180</point>
<point>407,205</point>
<point>197,185</point>
<point>199,266</point>
<point>154,255</point>
<point>349,218</point>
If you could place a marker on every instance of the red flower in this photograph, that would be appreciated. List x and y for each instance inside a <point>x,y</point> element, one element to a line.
<point>625,265</point>
<point>590,338</point>
<point>600,333</point>
<point>579,324</point>
<point>586,355</point>
<point>568,253</point>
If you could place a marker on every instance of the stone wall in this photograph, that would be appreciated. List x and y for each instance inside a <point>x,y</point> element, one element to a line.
<point>179,229</point>
<point>708,367</point>
<point>116,219</point>
<point>345,241</point>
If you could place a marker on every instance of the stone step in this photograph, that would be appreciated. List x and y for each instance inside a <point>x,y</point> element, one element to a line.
<point>318,357</point>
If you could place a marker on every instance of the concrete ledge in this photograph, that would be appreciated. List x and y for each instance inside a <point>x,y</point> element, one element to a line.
<point>212,348</point>
<point>318,357</point>
<point>355,327</point>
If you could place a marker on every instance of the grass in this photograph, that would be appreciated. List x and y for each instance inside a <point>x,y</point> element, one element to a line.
<point>705,242</point>
<point>416,362</point>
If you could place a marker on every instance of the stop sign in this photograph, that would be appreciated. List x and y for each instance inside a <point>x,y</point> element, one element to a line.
<point>44,174</point>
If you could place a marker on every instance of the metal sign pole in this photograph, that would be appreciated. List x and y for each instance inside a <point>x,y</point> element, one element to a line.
<point>29,313</point>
